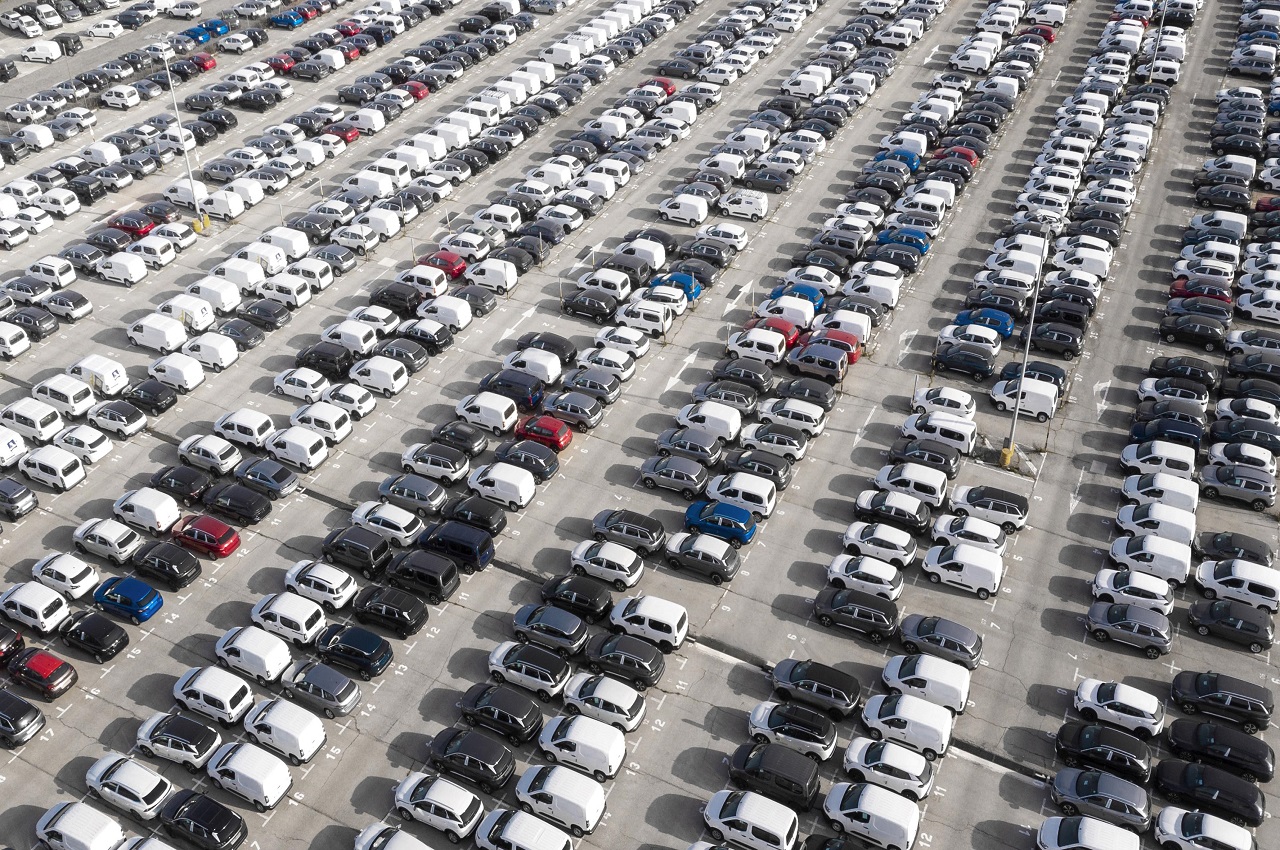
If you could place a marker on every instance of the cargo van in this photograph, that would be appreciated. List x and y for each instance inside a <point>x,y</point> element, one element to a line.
<point>250,772</point>
<point>154,251</point>
<point>248,190</point>
<point>513,89</point>
<point>245,274</point>
<point>371,183</point>
<point>686,209</point>
<point>290,730</point>
<point>585,744</point>
<point>1153,555</point>
<point>55,468</point>
<point>186,193</point>
<point>530,82</point>
<point>397,171</point>
<point>506,829</point>
<point>159,333</point>
<point>253,652</point>
<point>930,678</point>
<point>221,295</point>
<point>433,146</point>
<point>105,376</point>
<point>271,259</point>
<point>874,814</point>
<point>965,566</point>
<point>1030,398</point>
<point>545,72</point>
<point>148,509</point>
<point>489,411</point>
<point>294,243</point>
<point>497,275</point>
<point>562,55</point>
<point>298,446</point>
<point>417,159</point>
<point>78,826</point>
<point>224,204</point>
<point>563,797</point>
<point>453,136</point>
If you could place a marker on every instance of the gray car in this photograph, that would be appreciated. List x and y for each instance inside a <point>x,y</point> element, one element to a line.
<point>594,382</point>
<point>693,443</point>
<point>1255,487</point>
<point>578,409</point>
<point>685,476</point>
<point>1101,795</point>
<point>413,493</point>
<point>642,533</point>
<point>561,631</point>
<point>703,553</point>
<point>321,687</point>
<point>941,637</point>
<point>738,396</point>
<point>818,685</point>
<point>1148,630</point>
<point>266,476</point>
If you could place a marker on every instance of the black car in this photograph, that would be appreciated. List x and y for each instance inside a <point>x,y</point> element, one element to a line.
<point>237,502</point>
<point>172,565</point>
<point>20,721</point>
<point>768,465</point>
<point>355,648</point>
<point>1191,368</point>
<point>1063,339</point>
<point>1202,331</point>
<point>413,355</point>
<point>202,821</point>
<point>475,511</point>
<point>540,461</point>
<point>629,659</point>
<point>266,314</point>
<point>1226,545</point>
<point>243,333</point>
<point>93,634</point>
<point>473,756</point>
<point>964,357</point>
<point>1095,745</point>
<point>1247,704</point>
<point>37,322</point>
<point>582,595</point>
<point>428,574</point>
<point>328,358</point>
<point>184,483</point>
<point>590,305</point>
<point>1248,757</point>
<point>753,373</point>
<point>357,548</point>
<point>393,609</point>
<point>777,771</point>
<point>504,709</point>
<point>555,344</point>
<point>1219,792</point>
<point>151,397</point>
<point>266,476</point>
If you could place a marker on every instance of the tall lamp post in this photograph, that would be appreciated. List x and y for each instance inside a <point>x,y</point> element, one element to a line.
<point>177,117</point>
<point>1008,453</point>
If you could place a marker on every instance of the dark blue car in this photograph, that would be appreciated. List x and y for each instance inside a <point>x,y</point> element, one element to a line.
<point>808,292</point>
<point>128,598</point>
<point>686,283</point>
<point>998,320</point>
<point>198,35</point>
<point>906,157</point>
<point>1172,430</point>
<point>289,20</point>
<point>724,521</point>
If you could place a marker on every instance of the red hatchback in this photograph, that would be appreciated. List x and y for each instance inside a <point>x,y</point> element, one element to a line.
<point>417,90</point>
<point>1268,204</point>
<point>964,153</point>
<point>201,533</point>
<point>280,63</point>
<point>662,83</point>
<point>547,430</point>
<point>1184,288</point>
<point>306,12</point>
<point>789,330</point>
<point>349,28</point>
<point>133,222</point>
<point>43,672</point>
<point>843,340</point>
<point>349,51</point>
<point>1045,32</point>
<point>347,132</point>
<point>446,261</point>
<point>204,61</point>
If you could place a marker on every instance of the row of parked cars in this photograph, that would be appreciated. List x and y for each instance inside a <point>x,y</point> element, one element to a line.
<point>1212,798</point>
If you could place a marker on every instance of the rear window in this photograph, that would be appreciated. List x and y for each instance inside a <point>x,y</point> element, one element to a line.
<point>398,373</point>
<point>70,468</point>
<point>227,453</point>
<point>315,447</point>
<point>48,419</point>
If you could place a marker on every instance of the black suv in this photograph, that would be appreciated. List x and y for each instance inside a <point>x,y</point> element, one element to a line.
<point>1240,702</point>
<point>965,358</point>
<point>428,574</point>
<point>1230,749</point>
<point>775,771</point>
<point>328,358</point>
<point>504,709</point>
<point>624,657</point>
<point>472,756</point>
<point>354,648</point>
<point>237,502</point>
<point>359,549</point>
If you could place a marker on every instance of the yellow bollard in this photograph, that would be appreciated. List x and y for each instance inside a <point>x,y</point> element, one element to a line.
<point>1007,457</point>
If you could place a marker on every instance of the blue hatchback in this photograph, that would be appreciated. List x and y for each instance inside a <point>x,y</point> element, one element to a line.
<point>909,236</point>
<point>807,291</point>
<point>686,283</point>
<point>906,157</point>
<point>129,598</point>
<point>198,35</point>
<point>289,20</point>
<point>215,26</point>
<point>998,320</point>
<point>724,521</point>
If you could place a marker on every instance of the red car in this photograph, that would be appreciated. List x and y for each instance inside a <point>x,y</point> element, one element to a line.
<point>417,90</point>
<point>349,28</point>
<point>202,533</point>
<point>956,150</point>
<point>1041,30</point>
<point>43,672</point>
<point>662,83</point>
<point>133,222</point>
<point>347,132</point>
<point>548,430</point>
<point>349,51</point>
<point>844,340</point>
<point>448,262</point>
<point>306,12</point>
<point>788,330</point>
<point>1268,204</point>
<point>1184,288</point>
<point>280,63</point>
<point>204,61</point>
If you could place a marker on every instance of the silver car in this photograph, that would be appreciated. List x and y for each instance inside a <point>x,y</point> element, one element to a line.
<point>1101,795</point>
<point>685,476</point>
<point>1255,487</point>
<point>1134,625</point>
<point>320,687</point>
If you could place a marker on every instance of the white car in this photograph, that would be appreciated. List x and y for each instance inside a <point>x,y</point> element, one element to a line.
<point>950,529</point>
<point>133,787</point>
<point>66,574</point>
<point>732,235</point>
<point>608,561</point>
<point>178,738</point>
<point>802,415</point>
<point>1180,829</point>
<point>85,442</point>
<point>979,335</point>
<point>605,699</point>
<point>944,400</point>
<point>882,541</point>
<point>1120,705</point>
<point>1246,408</point>
<point>1131,587</point>
<point>630,340</point>
<point>867,574</point>
<point>671,297</point>
<point>1242,454</point>
<point>383,321</point>
<point>106,29</point>
<point>889,765</point>
<point>329,586</point>
<point>107,538</point>
<point>824,279</point>
<point>1263,305</point>
<point>394,523</point>
<point>657,620</point>
<point>615,361</point>
<point>353,398</point>
<point>290,616</point>
<point>438,803</point>
<point>1159,389</point>
<point>530,667</point>
<point>306,384</point>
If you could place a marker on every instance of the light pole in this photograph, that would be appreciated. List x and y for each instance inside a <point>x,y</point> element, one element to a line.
<point>1007,453</point>
<point>186,157</point>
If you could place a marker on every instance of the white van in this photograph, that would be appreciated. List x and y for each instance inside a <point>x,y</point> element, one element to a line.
<point>380,374</point>
<point>159,333</point>
<point>298,446</point>
<point>1037,398</point>
<point>294,243</point>
<point>148,509</point>
<point>271,259</point>
<point>874,814</point>
<point>54,271</point>
<point>1240,580</point>
<point>42,51</point>
<point>745,203</point>
<point>925,483</point>
<point>1153,555</point>
<point>686,209</point>
<point>194,313</point>
<point>250,772</point>
<point>497,275</point>
<point>489,411</point>
<point>503,483</point>
<point>214,693</point>
<point>375,185</point>
<point>563,797</point>
<point>286,289</point>
<point>506,829</point>
<point>326,419</point>
<point>226,204</point>
<point>245,274</point>
<point>965,566</point>
<point>750,492</point>
<point>248,190</point>
<point>34,420</point>
<point>584,743</point>
<point>78,826</point>
<point>1161,488</point>
<point>930,678</point>
<point>212,350</point>
<point>122,267</point>
<point>105,376</point>
<point>561,55</point>
<point>751,820</point>
<point>13,341</point>
<point>357,337</point>
<point>501,216</point>
<point>432,146</point>
<point>154,251</point>
<point>253,652</point>
<point>221,295</point>
<point>416,159</point>
<point>317,273</point>
<point>71,397</point>
<point>290,730</point>
<point>1157,519</point>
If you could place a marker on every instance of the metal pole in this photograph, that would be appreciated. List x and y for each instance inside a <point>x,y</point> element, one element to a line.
<point>177,117</point>
<point>1006,456</point>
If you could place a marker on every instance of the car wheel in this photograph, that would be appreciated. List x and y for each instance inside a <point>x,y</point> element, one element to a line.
<point>1210,492</point>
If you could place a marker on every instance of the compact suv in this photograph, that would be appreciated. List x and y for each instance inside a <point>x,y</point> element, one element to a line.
<point>816,684</point>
